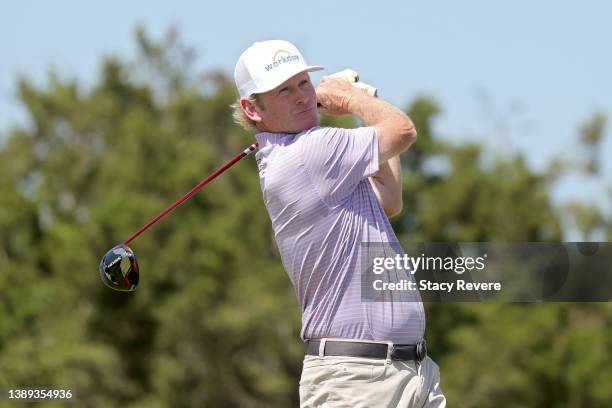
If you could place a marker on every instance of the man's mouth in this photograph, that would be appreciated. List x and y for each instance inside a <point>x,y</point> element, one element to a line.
<point>306,110</point>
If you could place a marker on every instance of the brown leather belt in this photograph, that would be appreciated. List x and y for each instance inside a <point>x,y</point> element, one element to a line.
<point>416,352</point>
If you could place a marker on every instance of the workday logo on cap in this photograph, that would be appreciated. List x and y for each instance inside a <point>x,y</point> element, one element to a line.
<point>281,57</point>
<point>267,64</point>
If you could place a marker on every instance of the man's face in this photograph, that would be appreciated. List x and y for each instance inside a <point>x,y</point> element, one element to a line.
<point>289,108</point>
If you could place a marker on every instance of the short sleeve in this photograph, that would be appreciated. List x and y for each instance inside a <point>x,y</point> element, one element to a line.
<point>337,160</point>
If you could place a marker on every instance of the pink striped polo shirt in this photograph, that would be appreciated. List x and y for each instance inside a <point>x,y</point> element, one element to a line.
<point>322,207</point>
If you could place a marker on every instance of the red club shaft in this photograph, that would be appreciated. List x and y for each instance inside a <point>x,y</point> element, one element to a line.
<point>194,190</point>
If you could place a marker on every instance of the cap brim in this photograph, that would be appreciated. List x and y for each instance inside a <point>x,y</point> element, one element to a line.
<point>269,87</point>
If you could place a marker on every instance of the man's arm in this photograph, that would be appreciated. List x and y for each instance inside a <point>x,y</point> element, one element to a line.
<point>387,185</point>
<point>395,132</point>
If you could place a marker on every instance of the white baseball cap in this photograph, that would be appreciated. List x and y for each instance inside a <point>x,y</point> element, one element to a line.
<point>267,64</point>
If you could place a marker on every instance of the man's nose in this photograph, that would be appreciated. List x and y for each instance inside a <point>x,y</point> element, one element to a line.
<point>302,98</point>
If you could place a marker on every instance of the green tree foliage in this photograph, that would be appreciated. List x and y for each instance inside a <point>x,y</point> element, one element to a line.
<point>495,355</point>
<point>215,321</point>
<point>588,218</point>
<point>453,194</point>
<point>591,136</point>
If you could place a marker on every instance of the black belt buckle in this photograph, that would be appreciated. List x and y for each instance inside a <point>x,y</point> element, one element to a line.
<point>421,350</point>
<point>416,352</point>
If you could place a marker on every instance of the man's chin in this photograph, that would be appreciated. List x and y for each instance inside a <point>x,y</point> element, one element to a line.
<point>297,126</point>
<point>305,125</point>
<point>311,123</point>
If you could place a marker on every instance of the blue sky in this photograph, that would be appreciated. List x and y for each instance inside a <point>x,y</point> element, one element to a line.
<point>519,76</point>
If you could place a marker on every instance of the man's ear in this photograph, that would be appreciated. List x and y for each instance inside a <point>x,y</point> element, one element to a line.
<point>250,109</point>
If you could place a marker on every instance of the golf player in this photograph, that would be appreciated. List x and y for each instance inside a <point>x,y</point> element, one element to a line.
<point>328,191</point>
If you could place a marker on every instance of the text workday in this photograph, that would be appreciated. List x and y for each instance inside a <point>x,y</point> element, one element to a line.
<point>279,60</point>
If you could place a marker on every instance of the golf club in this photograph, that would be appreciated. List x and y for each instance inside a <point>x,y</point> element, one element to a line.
<point>119,268</point>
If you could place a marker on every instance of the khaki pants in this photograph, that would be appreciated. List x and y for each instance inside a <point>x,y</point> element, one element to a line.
<point>354,382</point>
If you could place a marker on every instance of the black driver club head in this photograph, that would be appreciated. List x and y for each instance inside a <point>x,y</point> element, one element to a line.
<point>119,269</point>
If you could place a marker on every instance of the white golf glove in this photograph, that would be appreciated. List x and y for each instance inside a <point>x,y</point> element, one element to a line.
<point>353,77</point>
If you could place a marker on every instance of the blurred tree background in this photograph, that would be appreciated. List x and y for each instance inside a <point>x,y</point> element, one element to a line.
<point>215,321</point>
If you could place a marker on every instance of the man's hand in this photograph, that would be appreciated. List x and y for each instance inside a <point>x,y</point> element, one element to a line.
<point>334,96</point>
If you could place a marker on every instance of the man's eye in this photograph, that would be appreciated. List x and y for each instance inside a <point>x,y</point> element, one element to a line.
<point>304,82</point>
<point>284,91</point>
